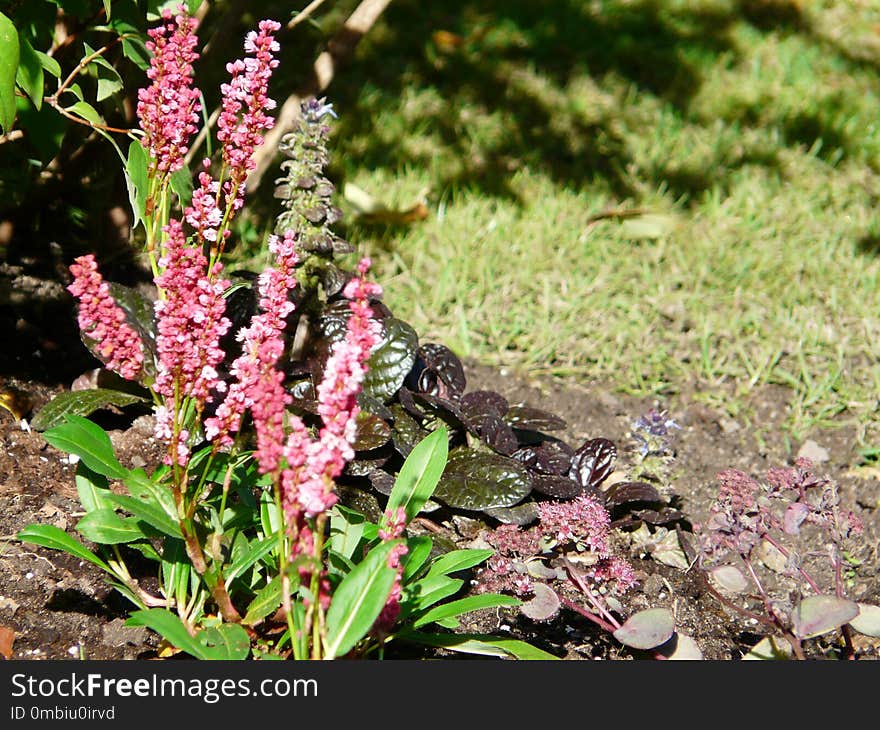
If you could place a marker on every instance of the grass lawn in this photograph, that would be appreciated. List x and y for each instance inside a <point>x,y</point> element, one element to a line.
<point>649,194</point>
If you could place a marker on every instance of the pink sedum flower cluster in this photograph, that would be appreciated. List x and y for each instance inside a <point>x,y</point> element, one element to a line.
<point>102,320</point>
<point>243,119</point>
<point>169,108</point>
<point>190,322</point>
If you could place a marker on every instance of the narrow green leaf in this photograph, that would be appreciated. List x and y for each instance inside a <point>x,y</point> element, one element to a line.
<point>9,57</point>
<point>80,403</point>
<point>465,605</point>
<point>57,539</point>
<point>30,72</point>
<point>257,550</point>
<point>359,600</point>
<point>90,443</point>
<point>346,530</point>
<point>150,513</point>
<point>458,560</point>
<point>419,474</point>
<point>419,550</point>
<point>142,487</point>
<point>136,180</point>
<point>105,527</point>
<point>92,488</point>
<point>478,644</point>
<point>136,52</point>
<point>267,600</point>
<point>169,627</point>
<point>428,591</point>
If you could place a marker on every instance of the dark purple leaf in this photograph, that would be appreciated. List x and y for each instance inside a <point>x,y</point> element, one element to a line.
<point>372,432</point>
<point>367,461</point>
<point>554,486</point>
<point>439,371</point>
<point>480,403</point>
<point>496,434</point>
<point>593,462</point>
<point>406,431</point>
<point>303,394</point>
<point>443,408</point>
<point>476,480</point>
<point>405,396</point>
<point>548,457</point>
<point>391,360</point>
<point>376,407</point>
<point>381,481</point>
<point>623,492</point>
<point>527,418</point>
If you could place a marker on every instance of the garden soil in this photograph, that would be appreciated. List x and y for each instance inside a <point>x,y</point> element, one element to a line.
<point>53,606</point>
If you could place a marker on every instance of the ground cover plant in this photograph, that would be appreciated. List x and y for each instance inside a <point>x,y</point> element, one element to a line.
<point>291,464</point>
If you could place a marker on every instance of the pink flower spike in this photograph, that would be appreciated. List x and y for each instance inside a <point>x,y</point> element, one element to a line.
<point>102,320</point>
<point>168,109</point>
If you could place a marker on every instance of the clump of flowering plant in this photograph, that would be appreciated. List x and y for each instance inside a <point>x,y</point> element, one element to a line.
<point>242,516</point>
<point>756,545</point>
<point>571,551</point>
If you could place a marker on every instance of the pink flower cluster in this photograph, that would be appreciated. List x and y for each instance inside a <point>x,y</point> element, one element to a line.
<point>102,320</point>
<point>396,524</point>
<point>190,322</point>
<point>243,119</point>
<point>313,465</point>
<point>168,108</point>
<point>583,522</point>
<point>258,383</point>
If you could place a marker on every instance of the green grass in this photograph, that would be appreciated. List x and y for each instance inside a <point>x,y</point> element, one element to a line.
<point>750,131</point>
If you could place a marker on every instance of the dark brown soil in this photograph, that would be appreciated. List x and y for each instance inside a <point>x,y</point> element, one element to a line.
<point>61,608</point>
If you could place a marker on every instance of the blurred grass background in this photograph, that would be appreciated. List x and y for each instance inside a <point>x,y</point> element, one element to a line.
<point>653,195</point>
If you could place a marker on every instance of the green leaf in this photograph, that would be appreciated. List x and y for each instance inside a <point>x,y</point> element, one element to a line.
<point>478,644</point>
<point>136,180</point>
<point>136,52</point>
<point>105,527</point>
<point>477,480</point>
<point>428,591</point>
<point>346,530</point>
<point>267,600</point>
<point>49,64</point>
<point>90,443</point>
<point>256,551</point>
<point>225,642</point>
<point>92,488</point>
<point>144,489</point>
<point>270,518</point>
<point>359,600</point>
<point>182,185</point>
<point>30,72</point>
<point>57,539</point>
<point>150,513</point>
<point>465,605</point>
<point>9,56</point>
<point>169,627</point>
<point>419,549</point>
<point>458,560</point>
<point>80,403</point>
<point>816,615</point>
<point>419,475</point>
<point>87,112</point>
